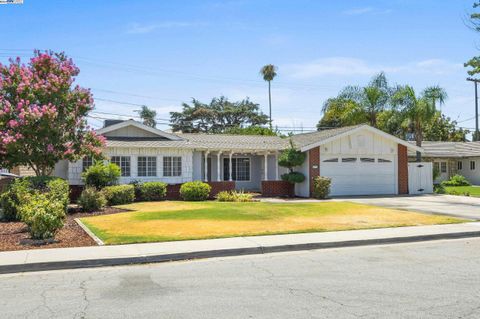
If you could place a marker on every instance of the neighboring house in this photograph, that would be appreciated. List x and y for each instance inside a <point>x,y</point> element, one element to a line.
<point>451,158</point>
<point>361,160</point>
<point>19,170</point>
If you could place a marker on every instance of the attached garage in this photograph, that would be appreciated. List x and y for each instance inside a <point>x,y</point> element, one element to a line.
<point>360,160</point>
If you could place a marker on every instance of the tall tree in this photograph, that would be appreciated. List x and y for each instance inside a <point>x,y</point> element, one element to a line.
<point>442,128</point>
<point>436,94</point>
<point>418,110</point>
<point>474,63</point>
<point>148,116</point>
<point>217,117</point>
<point>42,115</point>
<point>338,112</point>
<point>269,72</point>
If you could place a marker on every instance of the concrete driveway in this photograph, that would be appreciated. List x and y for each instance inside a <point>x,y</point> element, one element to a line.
<point>458,206</point>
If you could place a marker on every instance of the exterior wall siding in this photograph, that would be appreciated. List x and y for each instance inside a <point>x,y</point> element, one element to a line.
<point>402,169</point>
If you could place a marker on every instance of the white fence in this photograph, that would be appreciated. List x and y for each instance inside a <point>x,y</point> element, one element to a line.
<point>420,178</point>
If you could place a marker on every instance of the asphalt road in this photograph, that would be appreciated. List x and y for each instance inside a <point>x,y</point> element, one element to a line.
<point>438,279</point>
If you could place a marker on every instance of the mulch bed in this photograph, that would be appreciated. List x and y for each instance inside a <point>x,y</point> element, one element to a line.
<point>15,236</point>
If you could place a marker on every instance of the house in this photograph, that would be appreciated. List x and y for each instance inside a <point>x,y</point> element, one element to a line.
<point>361,160</point>
<point>451,158</point>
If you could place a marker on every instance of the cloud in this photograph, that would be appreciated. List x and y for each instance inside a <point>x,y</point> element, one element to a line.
<point>345,66</point>
<point>137,28</point>
<point>366,10</point>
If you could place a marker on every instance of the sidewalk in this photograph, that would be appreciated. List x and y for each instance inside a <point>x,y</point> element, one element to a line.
<point>98,256</point>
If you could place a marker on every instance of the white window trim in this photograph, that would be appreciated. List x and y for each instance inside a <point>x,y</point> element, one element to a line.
<point>249,168</point>
<point>171,166</point>
<point>130,162</point>
<point>146,166</point>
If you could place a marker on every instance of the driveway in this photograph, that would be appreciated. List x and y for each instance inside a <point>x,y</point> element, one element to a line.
<point>458,206</point>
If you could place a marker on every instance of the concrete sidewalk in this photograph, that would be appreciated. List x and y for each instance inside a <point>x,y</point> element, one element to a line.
<point>98,256</point>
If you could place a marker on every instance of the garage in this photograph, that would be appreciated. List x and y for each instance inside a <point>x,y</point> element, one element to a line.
<point>359,175</point>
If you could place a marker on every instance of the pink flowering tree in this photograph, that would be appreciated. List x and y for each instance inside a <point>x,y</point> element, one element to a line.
<point>43,115</point>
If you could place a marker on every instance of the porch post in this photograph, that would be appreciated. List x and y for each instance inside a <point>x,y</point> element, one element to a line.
<point>230,166</point>
<point>265,156</point>
<point>276,165</point>
<point>218,166</point>
<point>206,167</point>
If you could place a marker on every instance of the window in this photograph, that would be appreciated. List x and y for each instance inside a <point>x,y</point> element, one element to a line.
<point>459,165</point>
<point>331,160</point>
<point>123,162</point>
<point>87,161</point>
<point>349,160</point>
<point>443,167</point>
<point>172,166</point>
<point>436,166</point>
<point>472,165</point>
<point>147,166</point>
<point>240,169</point>
<point>367,160</point>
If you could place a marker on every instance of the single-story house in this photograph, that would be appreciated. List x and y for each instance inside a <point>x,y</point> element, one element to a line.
<point>451,158</point>
<point>361,160</point>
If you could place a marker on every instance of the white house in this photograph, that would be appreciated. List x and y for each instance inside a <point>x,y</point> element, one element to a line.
<point>361,160</point>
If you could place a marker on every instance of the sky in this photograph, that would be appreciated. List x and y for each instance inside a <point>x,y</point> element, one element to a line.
<point>164,53</point>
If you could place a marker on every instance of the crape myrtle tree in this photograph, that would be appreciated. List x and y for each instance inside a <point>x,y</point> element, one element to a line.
<point>42,115</point>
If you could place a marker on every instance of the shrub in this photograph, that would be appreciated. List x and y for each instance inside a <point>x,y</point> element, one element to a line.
<point>234,196</point>
<point>456,180</point>
<point>101,175</point>
<point>43,216</point>
<point>119,194</point>
<point>293,177</point>
<point>91,199</point>
<point>321,187</point>
<point>439,189</point>
<point>55,188</point>
<point>152,191</point>
<point>195,191</point>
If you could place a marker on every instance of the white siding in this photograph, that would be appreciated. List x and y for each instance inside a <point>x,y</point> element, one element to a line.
<point>472,175</point>
<point>301,189</point>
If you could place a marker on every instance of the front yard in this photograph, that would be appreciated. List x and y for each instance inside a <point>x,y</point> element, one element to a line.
<point>463,190</point>
<point>170,220</point>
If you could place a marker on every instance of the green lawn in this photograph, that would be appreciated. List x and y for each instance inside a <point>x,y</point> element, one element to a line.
<point>171,220</point>
<point>462,190</point>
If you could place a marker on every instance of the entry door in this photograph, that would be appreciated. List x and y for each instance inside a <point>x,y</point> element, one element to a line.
<point>360,175</point>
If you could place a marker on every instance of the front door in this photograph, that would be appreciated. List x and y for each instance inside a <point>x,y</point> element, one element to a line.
<point>442,168</point>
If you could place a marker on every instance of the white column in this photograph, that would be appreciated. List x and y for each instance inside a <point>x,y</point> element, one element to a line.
<point>265,156</point>
<point>206,167</point>
<point>230,166</point>
<point>276,165</point>
<point>218,166</point>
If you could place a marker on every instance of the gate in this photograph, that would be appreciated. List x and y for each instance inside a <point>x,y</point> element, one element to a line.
<point>420,178</point>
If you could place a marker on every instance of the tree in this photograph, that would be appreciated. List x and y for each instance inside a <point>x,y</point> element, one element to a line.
<point>269,72</point>
<point>442,128</point>
<point>418,110</point>
<point>42,117</point>
<point>148,116</point>
<point>474,63</point>
<point>436,93</point>
<point>338,112</point>
<point>291,158</point>
<point>217,117</point>
<point>251,130</point>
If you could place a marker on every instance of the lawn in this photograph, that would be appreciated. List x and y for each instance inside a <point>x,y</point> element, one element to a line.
<point>170,220</point>
<point>461,190</point>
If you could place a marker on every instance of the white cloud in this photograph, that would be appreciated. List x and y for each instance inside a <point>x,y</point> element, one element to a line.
<point>137,28</point>
<point>366,10</point>
<point>345,66</point>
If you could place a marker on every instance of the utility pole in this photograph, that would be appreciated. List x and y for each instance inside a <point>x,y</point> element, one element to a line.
<point>476,134</point>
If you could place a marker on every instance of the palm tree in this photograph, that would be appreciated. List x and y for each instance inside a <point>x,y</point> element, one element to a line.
<point>268,73</point>
<point>417,110</point>
<point>436,93</point>
<point>148,116</point>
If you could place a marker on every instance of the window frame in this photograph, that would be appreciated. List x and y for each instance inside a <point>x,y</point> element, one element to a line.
<point>459,165</point>
<point>150,169</point>
<point>226,169</point>
<point>473,167</point>
<point>89,161</point>
<point>172,166</point>
<point>123,161</point>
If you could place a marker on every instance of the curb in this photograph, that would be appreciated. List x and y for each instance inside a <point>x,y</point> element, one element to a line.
<point>89,232</point>
<point>93,263</point>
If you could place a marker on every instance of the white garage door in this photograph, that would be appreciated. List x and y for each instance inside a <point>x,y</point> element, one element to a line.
<point>359,175</point>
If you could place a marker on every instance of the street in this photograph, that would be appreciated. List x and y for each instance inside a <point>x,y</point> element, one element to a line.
<point>422,280</point>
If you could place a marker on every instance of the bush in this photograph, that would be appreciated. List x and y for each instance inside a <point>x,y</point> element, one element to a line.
<point>43,215</point>
<point>152,191</point>
<point>293,177</point>
<point>119,194</point>
<point>55,188</point>
<point>321,187</point>
<point>456,180</point>
<point>234,196</point>
<point>91,199</point>
<point>439,189</point>
<point>101,175</point>
<point>195,191</point>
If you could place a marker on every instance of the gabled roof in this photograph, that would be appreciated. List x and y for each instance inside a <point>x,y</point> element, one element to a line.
<point>139,125</point>
<point>308,141</point>
<point>450,149</point>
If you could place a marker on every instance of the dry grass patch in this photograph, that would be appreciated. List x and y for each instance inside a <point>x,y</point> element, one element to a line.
<point>168,221</point>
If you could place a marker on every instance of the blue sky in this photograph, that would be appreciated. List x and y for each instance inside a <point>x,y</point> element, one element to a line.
<point>163,53</point>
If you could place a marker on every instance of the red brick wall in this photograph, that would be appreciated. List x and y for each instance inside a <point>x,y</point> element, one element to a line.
<point>173,190</point>
<point>402,169</point>
<point>278,189</point>
<point>313,160</point>
<point>75,191</point>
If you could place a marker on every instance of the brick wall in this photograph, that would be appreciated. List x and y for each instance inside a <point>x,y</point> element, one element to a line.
<point>402,169</point>
<point>313,161</point>
<point>278,189</point>
<point>75,191</point>
<point>173,190</point>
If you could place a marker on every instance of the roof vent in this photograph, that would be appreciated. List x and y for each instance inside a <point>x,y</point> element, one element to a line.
<point>111,122</point>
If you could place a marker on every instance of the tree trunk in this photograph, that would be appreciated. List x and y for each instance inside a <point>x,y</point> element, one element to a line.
<point>270,104</point>
<point>418,140</point>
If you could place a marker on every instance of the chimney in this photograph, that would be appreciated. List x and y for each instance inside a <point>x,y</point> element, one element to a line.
<point>111,122</point>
